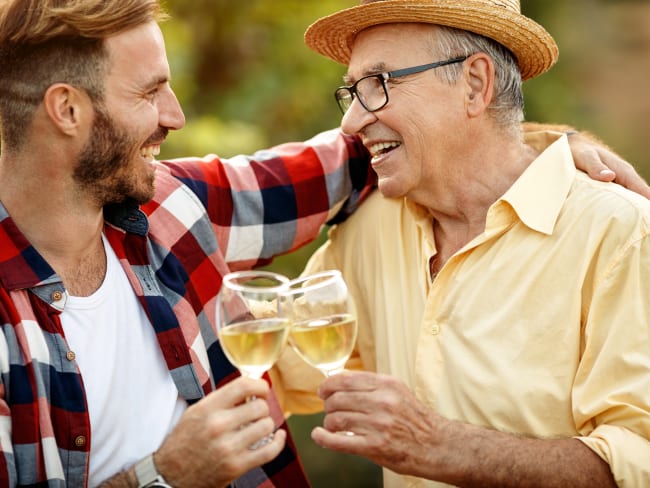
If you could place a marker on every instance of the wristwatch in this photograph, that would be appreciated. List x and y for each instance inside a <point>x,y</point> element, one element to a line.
<point>147,474</point>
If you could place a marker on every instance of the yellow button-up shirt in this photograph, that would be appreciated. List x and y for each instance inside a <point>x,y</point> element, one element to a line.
<point>538,326</point>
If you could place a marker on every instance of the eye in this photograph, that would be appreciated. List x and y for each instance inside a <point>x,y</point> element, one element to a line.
<point>151,94</point>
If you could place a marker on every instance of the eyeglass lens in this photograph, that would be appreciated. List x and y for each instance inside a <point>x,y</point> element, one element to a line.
<point>370,90</point>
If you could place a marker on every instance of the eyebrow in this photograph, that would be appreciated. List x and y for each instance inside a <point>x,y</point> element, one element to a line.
<point>373,70</point>
<point>153,83</point>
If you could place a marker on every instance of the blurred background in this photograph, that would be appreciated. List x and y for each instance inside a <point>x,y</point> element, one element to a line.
<point>246,82</point>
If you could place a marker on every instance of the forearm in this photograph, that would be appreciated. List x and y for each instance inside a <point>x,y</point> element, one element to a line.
<point>584,135</point>
<point>124,479</point>
<point>539,126</point>
<point>478,457</point>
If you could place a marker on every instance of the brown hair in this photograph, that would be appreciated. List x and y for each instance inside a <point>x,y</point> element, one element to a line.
<point>43,42</point>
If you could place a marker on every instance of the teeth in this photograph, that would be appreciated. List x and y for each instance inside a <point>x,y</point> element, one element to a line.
<point>149,152</point>
<point>380,147</point>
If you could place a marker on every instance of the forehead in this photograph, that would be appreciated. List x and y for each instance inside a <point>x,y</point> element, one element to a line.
<point>137,56</point>
<point>391,44</point>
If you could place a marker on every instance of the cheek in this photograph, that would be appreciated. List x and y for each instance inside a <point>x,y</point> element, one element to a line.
<point>417,144</point>
<point>141,122</point>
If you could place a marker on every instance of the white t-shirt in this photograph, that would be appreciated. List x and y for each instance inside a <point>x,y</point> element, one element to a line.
<point>132,400</point>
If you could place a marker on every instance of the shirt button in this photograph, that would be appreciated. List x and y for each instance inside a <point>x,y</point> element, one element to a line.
<point>80,441</point>
<point>56,296</point>
<point>70,355</point>
<point>435,329</point>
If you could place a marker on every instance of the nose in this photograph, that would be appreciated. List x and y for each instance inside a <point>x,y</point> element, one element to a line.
<point>170,111</point>
<point>356,118</point>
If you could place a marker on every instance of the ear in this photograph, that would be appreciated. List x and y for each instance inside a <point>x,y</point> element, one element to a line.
<point>67,107</point>
<point>479,77</point>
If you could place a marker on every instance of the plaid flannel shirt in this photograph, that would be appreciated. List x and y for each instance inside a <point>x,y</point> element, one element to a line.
<point>209,216</point>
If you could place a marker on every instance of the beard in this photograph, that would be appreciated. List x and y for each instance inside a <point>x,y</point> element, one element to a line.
<point>102,170</point>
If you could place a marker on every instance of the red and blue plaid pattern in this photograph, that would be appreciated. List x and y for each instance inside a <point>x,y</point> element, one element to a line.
<point>209,216</point>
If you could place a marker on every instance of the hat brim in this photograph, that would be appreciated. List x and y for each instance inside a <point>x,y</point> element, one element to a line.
<point>534,48</point>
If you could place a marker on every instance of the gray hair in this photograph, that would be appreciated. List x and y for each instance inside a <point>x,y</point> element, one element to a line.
<point>507,107</point>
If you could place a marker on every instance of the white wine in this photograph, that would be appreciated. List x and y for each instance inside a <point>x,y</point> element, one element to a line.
<point>254,346</point>
<point>325,342</point>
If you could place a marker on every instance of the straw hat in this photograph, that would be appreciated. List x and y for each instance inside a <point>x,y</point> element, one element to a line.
<point>501,20</point>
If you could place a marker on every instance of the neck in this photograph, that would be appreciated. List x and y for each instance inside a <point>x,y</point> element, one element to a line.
<point>63,226</point>
<point>459,200</point>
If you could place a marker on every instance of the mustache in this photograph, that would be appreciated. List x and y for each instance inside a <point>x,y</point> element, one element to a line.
<point>157,137</point>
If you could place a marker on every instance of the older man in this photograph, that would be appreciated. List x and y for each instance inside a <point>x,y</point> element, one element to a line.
<point>503,297</point>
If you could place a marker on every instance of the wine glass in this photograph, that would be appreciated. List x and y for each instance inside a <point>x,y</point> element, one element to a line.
<point>324,327</point>
<point>253,321</point>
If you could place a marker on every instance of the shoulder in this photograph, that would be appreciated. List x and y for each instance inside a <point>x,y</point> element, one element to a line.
<point>373,216</point>
<point>604,217</point>
<point>177,203</point>
<point>609,203</point>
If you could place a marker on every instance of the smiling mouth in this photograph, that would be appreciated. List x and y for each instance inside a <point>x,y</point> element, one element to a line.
<point>150,152</point>
<point>379,149</point>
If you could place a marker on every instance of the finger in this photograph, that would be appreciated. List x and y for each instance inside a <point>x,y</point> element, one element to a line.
<point>636,186</point>
<point>345,421</point>
<point>236,392</point>
<point>629,178</point>
<point>255,430</point>
<point>254,452</point>
<point>236,457</point>
<point>625,173</point>
<point>362,402</point>
<point>605,174</point>
<point>269,451</point>
<point>251,410</point>
<point>592,162</point>
<point>348,381</point>
<point>336,441</point>
<point>214,420</point>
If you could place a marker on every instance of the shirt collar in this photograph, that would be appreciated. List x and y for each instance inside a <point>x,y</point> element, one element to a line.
<point>21,266</point>
<point>128,217</point>
<point>538,195</point>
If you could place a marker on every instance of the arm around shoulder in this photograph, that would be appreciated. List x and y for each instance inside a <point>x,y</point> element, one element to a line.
<point>595,158</point>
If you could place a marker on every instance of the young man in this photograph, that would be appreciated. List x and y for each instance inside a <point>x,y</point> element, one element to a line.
<point>111,261</point>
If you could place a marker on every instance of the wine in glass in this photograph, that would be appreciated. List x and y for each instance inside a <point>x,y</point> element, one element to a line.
<point>253,321</point>
<point>324,327</point>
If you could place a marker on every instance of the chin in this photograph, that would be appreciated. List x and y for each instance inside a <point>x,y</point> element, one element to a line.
<point>144,194</point>
<point>390,189</point>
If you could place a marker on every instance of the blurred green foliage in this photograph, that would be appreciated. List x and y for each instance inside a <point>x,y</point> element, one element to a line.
<point>246,81</point>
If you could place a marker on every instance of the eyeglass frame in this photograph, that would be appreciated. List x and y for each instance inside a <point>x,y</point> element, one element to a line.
<point>383,78</point>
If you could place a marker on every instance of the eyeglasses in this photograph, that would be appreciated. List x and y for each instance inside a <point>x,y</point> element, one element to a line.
<point>372,90</point>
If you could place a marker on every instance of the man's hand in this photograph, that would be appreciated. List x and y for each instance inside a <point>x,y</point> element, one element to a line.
<point>595,158</point>
<point>209,447</point>
<point>602,164</point>
<point>394,429</point>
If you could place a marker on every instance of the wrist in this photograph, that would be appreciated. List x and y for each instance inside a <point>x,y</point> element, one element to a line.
<point>147,475</point>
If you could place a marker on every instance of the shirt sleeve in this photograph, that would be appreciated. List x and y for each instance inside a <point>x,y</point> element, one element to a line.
<point>7,465</point>
<point>612,389</point>
<point>277,200</point>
